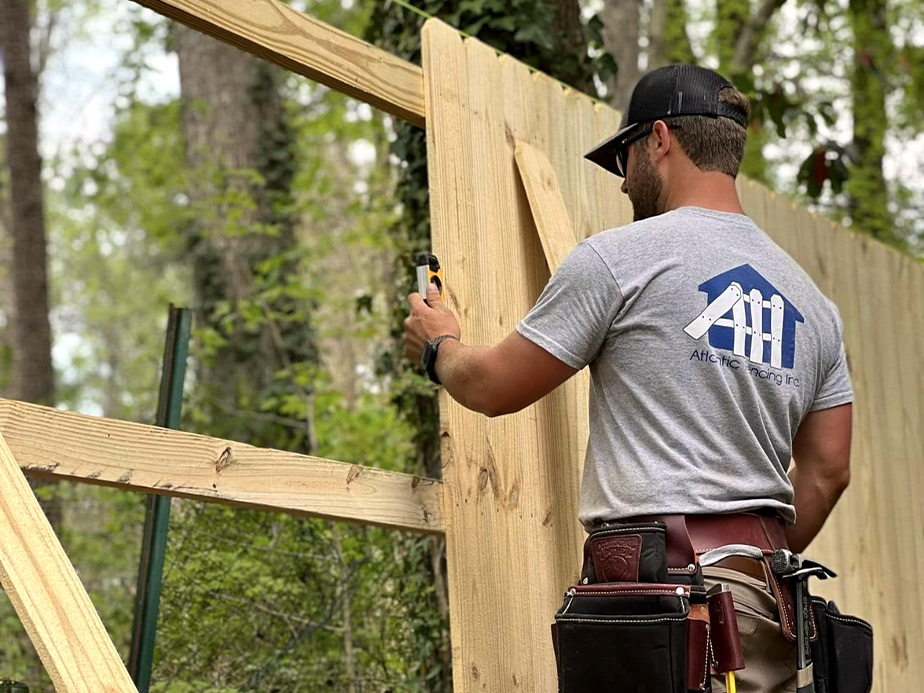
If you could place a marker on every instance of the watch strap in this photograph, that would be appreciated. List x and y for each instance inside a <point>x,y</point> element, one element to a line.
<point>428,358</point>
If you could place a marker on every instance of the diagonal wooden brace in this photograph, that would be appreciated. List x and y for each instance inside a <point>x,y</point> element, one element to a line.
<point>546,203</point>
<point>48,596</point>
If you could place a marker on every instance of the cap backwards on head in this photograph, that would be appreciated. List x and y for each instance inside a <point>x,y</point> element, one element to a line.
<point>668,92</point>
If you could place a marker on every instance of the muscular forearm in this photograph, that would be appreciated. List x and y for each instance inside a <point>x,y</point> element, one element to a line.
<point>465,373</point>
<point>815,497</point>
<point>493,380</point>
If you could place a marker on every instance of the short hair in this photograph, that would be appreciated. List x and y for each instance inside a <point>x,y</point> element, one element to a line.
<point>713,144</point>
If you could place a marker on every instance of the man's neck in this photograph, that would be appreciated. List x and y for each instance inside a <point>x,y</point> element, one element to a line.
<point>706,189</point>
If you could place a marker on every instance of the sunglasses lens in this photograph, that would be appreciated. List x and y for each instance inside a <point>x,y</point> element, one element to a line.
<point>622,160</point>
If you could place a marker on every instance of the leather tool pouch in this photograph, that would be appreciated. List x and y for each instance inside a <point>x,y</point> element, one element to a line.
<point>623,637</point>
<point>626,553</point>
<point>726,640</point>
<point>843,653</point>
<point>699,641</point>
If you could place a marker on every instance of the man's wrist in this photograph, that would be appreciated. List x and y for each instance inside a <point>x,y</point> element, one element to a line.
<point>428,358</point>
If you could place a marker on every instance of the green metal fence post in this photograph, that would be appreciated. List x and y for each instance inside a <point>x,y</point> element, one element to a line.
<point>157,517</point>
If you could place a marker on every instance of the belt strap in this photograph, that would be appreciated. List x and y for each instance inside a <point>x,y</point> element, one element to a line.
<point>689,536</point>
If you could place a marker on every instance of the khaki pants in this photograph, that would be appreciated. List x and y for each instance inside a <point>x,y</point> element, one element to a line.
<point>770,659</point>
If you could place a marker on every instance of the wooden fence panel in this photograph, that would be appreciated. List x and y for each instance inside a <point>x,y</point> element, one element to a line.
<point>478,107</point>
<point>510,484</point>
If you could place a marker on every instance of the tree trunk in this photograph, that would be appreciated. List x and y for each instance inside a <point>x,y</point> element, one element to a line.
<point>657,26</point>
<point>35,375</point>
<point>239,145</point>
<point>7,300</point>
<point>866,188</point>
<point>732,16</point>
<point>621,34</point>
<point>571,40</point>
<point>737,36</point>
<point>744,55</point>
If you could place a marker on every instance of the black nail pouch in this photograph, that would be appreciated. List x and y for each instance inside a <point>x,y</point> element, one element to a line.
<point>623,637</point>
<point>843,653</point>
<point>626,553</point>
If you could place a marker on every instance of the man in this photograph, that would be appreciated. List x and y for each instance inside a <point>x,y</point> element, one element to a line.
<point>715,360</point>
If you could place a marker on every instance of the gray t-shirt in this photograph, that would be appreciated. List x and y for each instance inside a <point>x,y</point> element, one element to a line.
<point>707,347</point>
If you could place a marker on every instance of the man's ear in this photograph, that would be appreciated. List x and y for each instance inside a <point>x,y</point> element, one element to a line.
<point>662,138</point>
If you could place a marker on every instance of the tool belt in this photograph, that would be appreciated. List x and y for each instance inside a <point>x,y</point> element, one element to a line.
<point>641,619</point>
<point>689,536</point>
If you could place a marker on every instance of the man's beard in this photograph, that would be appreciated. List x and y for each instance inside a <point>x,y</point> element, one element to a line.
<point>646,187</point>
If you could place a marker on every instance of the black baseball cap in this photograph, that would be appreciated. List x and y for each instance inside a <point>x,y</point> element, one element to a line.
<point>675,90</point>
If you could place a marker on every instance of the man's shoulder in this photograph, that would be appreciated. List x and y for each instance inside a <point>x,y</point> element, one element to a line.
<point>620,233</point>
<point>637,235</point>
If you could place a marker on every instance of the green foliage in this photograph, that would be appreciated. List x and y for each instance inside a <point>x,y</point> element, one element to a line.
<point>531,30</point>
<point>866,186</point>
<point>676,40</point>
<point>115,230</point>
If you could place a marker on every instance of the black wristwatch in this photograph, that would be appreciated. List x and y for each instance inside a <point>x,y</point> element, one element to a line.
<point>428,357</point>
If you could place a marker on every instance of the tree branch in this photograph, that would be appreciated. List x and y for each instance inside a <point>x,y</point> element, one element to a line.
<point>744,49</point>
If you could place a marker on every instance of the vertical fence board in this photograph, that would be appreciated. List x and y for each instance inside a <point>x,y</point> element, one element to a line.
<point>502,550</point>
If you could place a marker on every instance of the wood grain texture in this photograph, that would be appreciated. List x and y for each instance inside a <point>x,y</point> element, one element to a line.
<point>55,444</point>
<point>47,595</point>
<point>511,485</point>
<point>275,32</point>
<point>493,488</point>
<point>874,538</point>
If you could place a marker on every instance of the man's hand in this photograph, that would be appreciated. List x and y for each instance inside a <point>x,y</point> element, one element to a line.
<point>427,322</point>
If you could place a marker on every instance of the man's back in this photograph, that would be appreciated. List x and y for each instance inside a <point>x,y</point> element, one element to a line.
<point>707,345</point>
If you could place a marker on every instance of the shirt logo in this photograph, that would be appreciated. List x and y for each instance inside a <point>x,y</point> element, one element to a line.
<point>747,315</point>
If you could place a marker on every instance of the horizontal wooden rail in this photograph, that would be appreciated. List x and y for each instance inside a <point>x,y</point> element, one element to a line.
<point>49,443</point>
<point>277,33</point>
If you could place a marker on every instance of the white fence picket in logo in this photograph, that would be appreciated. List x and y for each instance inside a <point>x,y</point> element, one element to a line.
<point>715,310</point>
<point>776,331</point>
<point>757,328</point>
<point>740,322</point>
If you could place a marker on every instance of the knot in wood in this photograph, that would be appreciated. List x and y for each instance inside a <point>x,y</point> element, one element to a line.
<point>224,459</point>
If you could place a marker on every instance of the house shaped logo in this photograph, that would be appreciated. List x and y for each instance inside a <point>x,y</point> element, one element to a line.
<point>747,315</point>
